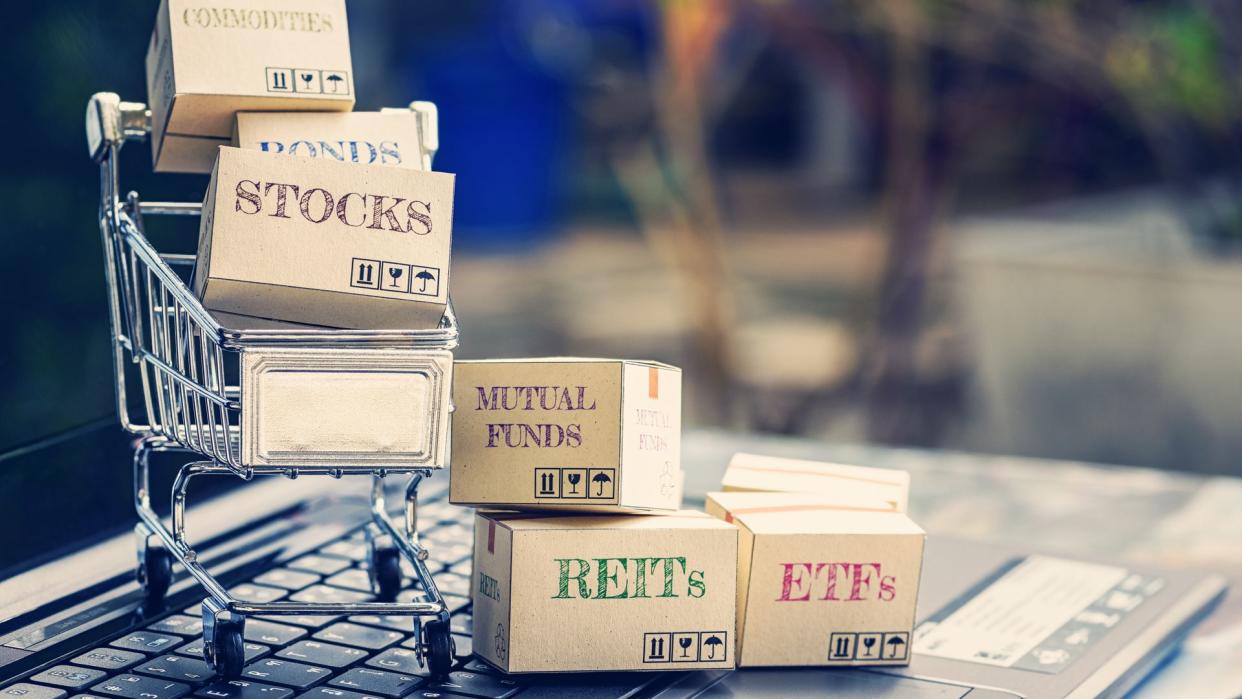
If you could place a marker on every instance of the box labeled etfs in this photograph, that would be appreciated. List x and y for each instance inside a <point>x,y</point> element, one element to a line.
<point>590,435</point>
<point>822,580</point>
<point>314,241</point>
<point>209,60</point>
<point>578,593</point>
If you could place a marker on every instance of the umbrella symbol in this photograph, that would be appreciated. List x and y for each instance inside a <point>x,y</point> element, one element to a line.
<point>601,479</point>
<point>335,80</point>
<point>894,646</point>
<point>426,277</point>
<point>712,642</point>
<point>307,78</point>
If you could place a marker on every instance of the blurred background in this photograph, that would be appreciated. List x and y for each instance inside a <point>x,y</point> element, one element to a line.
<point>988,225</point>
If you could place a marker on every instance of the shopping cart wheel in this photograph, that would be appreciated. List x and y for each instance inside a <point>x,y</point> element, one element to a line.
<point>223,643</point>
<point>438,647</point>
<point>154,570</point>
<point>384,567</point>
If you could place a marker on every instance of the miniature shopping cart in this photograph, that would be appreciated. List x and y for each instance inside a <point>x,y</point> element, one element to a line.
<point>226,395</point>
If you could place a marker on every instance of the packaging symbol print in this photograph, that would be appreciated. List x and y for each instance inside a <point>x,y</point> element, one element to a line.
<point>664,584</point>
<point>566,433</point>
<point>822,581</point>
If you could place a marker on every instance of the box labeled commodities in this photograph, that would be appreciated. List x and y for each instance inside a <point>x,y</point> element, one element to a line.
<point>370,138</point>
<point>752,472</point>
<point>591,435</point>
<point>580,593</point>
<point>208,60</point>
<point>339,245</point>
<point>822,580</point>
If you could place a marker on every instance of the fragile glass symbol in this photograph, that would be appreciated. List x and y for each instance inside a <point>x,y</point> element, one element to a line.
<point>868,642</point>
<point>395,273</point>
<point>574,479</point>
<point>307,78</point>
<point>684,642</point>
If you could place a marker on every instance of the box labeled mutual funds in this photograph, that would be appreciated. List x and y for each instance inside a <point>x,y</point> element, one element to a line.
<point>577,593</point>
<point>600,435</point>
<point>315,241</point>
<point>371,138</point>
<point>206,61</point>
<point>752,472</point>
<point>822,580</point>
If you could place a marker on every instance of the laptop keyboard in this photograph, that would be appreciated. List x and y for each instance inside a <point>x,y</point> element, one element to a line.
<point>311,656</point>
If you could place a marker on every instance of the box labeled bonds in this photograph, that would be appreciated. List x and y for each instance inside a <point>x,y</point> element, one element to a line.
<point>578,593</point>
<point>565,433</point>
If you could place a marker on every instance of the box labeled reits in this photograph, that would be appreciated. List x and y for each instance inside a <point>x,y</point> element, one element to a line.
<point>581,593</point>
<point>207,61</point>
<point>592,435</point>
<point>822,580</point>
<point>314,241</point>
<point>371,138</point>
<point>752,472</point>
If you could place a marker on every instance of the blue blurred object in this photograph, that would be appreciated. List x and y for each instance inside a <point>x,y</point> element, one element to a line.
<point>503,129</point>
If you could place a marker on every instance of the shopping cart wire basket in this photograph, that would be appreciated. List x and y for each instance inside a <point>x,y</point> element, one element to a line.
<point>224,394</point>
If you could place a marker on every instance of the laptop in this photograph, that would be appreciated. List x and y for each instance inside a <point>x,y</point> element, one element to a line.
<point>993,621</point>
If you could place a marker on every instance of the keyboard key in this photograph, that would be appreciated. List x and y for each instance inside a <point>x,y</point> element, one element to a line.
<point>182,624</point>
<point>243,689</point>
<point>353,550</point>
<point>477,665</point>
<point>286,672</point>
<point>25,690</point>
<point>319,594</point>
<point>434,694</point>
<point>386,621</point>
<point>398,660</point>
<point>310,621</point>
<point>326,654</point>
<point>271,633</point>
<point>194,649</point>
<point>475,685</point>
<point>353,579</point>
<point>139,687</point>
<point>326,692</point>
<point>87,696</point>
<point>260,594</point>
<point>382,682</point>
<point>288,579</point>
<point>147,642</point>
<point>360,636</point>
<point>108,658</point>
<point>69,676</point>
<point>324,565</point>
<point>181,668</point>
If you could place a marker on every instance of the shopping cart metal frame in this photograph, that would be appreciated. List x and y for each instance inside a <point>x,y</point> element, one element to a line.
<point>167,341</point>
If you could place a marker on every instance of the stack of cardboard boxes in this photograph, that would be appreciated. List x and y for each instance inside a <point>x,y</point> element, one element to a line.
<point>316,216</point>
<point>584,560</point>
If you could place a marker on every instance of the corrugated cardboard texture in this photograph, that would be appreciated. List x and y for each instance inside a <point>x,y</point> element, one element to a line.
<point>565,593</point>
<point>207,61</point>
<point>593,435</point>
<point>301,260</point>
<point>821,582</point>
<point>752,472</point>
<point>371,138</point>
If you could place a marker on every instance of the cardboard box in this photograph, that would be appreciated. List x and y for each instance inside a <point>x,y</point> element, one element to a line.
<point>370,138</point>
<point>206,62</point>
<point>589,435</point>
<point>324,243</point>
<point>822,581</point>
<point>242,323</point>
<point>584,593</point>
<point>751,472</point>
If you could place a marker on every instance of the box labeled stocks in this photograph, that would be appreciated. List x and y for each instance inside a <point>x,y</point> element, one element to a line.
<point>752,472</point>
<point>566,593</point>
<point>820,583</point>
<point>340,245</point>
<point>371,138</point>
<point>563,433</point>
<point>208,60</point>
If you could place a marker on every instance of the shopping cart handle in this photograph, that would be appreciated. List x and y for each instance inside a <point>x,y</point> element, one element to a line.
<point>110,121</point>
